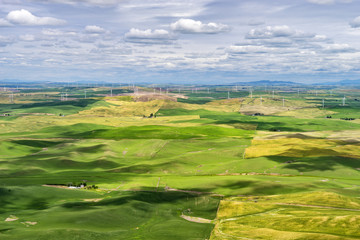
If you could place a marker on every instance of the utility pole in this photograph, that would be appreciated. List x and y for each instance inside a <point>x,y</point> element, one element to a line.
<point>85,94</point>
<point>343,100</point>
<point>260,100</point>
<point>273,94</point>
<point>283,102</point>
<point>110,92</point>
<point>228,95</point>
<point>323,101</point>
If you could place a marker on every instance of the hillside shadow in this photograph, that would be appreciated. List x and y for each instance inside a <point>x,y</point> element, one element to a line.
<point>140,196</point>
<point>4,193</point>
<point>295,135</point>
<point>52,163</point>
<point>269,126</point>
<point>37,143</point>
<point>92,149</point>
<point>231,185</point>
<point>78,103</point>
<point>322,163</point>
<point>38,204</point>
<point>270,188</point>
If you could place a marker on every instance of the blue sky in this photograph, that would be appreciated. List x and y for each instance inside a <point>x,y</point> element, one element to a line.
<point>180,41</point>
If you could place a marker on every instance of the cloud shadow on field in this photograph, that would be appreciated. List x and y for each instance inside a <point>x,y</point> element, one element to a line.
<point>151,197</point>
<point>323,163</point>
<point>232,185</point>
<point>270,126</point>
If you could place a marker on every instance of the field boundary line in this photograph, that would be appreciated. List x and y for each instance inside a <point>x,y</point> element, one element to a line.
<point>317,206</point>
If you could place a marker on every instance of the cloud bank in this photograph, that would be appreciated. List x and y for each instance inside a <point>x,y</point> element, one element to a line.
<point>94,29</point>
<point>157,36</point>
<point>191,26</point>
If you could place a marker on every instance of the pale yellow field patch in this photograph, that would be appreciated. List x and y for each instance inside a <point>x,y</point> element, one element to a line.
<point>297,147</point>
<point>312,215</point>
<point>305,113</point>
<point>271,106</point>
<point>345,135</point>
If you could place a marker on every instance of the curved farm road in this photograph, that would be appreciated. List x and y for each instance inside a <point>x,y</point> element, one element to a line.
<point>196,219</point>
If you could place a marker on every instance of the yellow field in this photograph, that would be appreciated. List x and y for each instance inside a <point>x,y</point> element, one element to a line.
<point>345,135</point>
<point>305,113</point>
<point>125,109</point>
<point>297,147</point>
<point>314,215</point>
<point>270,106</point>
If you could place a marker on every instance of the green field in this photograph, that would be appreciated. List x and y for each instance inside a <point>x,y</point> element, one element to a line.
<point>201,167</point>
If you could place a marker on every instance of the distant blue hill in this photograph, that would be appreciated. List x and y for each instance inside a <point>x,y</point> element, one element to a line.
<point>342,83</point>
<point>268,83</point>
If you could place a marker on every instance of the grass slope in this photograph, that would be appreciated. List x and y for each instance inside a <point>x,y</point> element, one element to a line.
<point>298,174</point>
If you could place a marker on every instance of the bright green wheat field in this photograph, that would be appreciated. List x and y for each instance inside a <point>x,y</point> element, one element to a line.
<point>204,168</point>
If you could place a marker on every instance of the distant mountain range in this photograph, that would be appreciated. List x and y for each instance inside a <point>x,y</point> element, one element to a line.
<point>268,83</point>
<point>290,83</point>
<point>341,83</point>
<point>250,83</point>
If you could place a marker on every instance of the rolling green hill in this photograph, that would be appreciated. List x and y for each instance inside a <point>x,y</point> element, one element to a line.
<point>200,169</point>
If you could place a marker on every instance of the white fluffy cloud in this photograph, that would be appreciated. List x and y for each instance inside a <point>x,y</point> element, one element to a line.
<point>94,29</point>
<point>4,23</point>
<point>157,36</point>
<point>24,17</point>
<point>355,23</point>
<point>321,2</point>
<point>282,33</point>
<point>191,26</point>
<point>283,42</point>
<point>270,32</point>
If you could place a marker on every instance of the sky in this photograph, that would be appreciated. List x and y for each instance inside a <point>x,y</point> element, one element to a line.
<point>180,41</point>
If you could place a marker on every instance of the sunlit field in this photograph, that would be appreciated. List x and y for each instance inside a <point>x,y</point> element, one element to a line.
<point>217,163</point>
